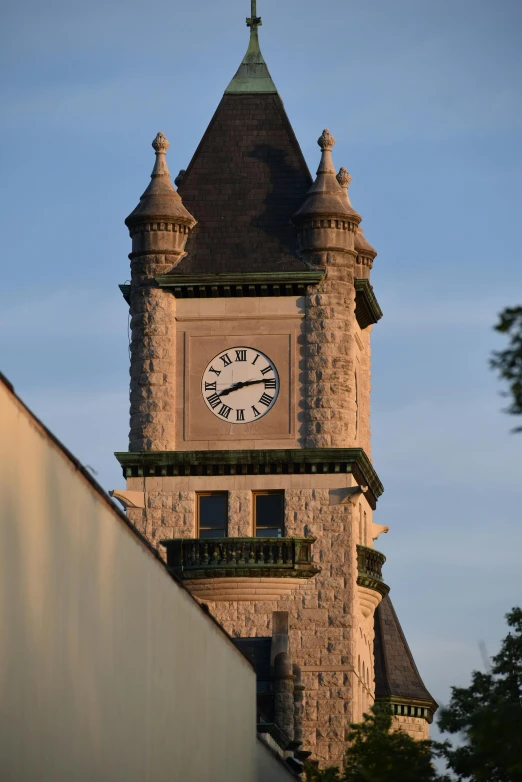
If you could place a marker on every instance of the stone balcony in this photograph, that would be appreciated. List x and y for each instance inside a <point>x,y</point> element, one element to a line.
<point>241,568</point>
<point>370,585</point>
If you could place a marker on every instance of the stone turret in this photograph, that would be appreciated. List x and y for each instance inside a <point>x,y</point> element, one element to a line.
<point>365,252</point>
<point>326,221</point>
<point>160,222</point>
<point>159,227</point>
<point>326,225</point>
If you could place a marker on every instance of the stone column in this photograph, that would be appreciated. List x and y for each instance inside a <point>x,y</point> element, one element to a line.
<point>153,357</point>
<point>298,704</point>
<point>284,694</point>
<point>330,387</point>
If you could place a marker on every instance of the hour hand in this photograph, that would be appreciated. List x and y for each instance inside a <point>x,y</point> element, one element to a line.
<point>237,386</point>
<point>233,387</point>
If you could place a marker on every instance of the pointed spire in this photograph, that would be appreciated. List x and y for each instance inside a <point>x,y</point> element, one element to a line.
<point>365,252</point>
<point>344,178</point>
<point>160,200</point>
<point>252,76</point>
<point>326,196</point>
<point>160,223</point>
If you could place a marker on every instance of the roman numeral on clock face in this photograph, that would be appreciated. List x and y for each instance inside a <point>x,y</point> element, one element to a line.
<point>239,385</point>
<point>213,400</point>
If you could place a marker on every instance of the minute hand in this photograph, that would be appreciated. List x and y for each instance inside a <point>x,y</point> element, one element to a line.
<point>237,386</point>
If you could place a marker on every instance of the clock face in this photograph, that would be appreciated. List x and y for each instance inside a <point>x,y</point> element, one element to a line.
<point>240,385</point>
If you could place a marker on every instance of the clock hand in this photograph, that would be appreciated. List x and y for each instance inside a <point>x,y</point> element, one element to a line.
<point>237,386</point>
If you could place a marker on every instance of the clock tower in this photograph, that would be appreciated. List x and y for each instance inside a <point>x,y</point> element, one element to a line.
<point>249,454</point>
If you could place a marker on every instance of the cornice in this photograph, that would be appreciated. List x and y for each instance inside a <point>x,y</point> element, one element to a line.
<point>255,462</point>
<point>238,285</point>
<point>409,707</point>
<point>125,292</point>
<point>367,309</point>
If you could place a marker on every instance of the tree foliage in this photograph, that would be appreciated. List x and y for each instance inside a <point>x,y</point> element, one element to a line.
<point>377,754</point>
<point>488,716</point>
<point>508,362</point>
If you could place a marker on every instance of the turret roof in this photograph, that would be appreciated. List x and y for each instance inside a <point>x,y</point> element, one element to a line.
<point>396,674</point>
<point>362,245</point>
<point>327,197</point>
<point>160,201</point>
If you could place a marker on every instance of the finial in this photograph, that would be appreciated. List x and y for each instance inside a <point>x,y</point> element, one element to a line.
<point>343,177</point>
<point>180,177</point>
<point>326,140</point>
<point>160,144</point>
<point>253,21</point>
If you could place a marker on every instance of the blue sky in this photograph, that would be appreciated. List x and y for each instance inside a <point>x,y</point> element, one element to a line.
<point>424,102</point>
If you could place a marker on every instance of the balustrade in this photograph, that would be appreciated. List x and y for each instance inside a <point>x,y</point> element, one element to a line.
<point>212,555</point>
<point>369,566</point>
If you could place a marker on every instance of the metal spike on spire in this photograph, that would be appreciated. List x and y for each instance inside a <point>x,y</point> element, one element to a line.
<point>253,21</point>
<point>252,75</point>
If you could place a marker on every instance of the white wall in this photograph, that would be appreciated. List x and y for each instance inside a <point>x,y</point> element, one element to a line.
<point>108,669</point>
<point>269,768</point>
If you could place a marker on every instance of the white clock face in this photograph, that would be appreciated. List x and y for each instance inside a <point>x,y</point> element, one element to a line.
<point>240,385</point>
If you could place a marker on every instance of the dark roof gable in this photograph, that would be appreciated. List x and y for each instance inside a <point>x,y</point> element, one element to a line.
<point>247,178</point>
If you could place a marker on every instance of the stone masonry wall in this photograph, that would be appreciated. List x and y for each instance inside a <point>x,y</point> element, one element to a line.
<point>153,357</point>
<point>330,356</point>
<point>363,439</point>
<point>324,617</point>
<point>416,727</point>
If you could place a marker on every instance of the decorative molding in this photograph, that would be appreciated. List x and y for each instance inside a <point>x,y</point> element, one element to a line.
<point>201,286</point>
<point>129,499</point>
<point>236,569</point>
<point>378,529</point>
<point>369,567</point>
<point>125,290</point>
<point>409,707</point>
<point>346,496</point>
<point>367,309</point>
<point>255,462</point>
<point>227,318</point>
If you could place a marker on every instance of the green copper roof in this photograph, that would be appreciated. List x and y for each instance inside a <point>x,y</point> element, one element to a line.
<point>252,75</point>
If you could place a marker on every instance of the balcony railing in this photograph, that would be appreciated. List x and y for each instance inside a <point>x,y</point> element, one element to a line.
<point>369,566</point>
<point>229,557</point>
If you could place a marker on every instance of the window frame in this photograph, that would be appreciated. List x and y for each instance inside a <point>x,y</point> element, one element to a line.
<point>263,492</point>
<point>198,511</point>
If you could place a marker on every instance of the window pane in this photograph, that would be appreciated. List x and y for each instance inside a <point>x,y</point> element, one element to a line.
<point>268,532</point>
<point>213,514</point>
<point>269,515</point>
<point>211,533</point>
